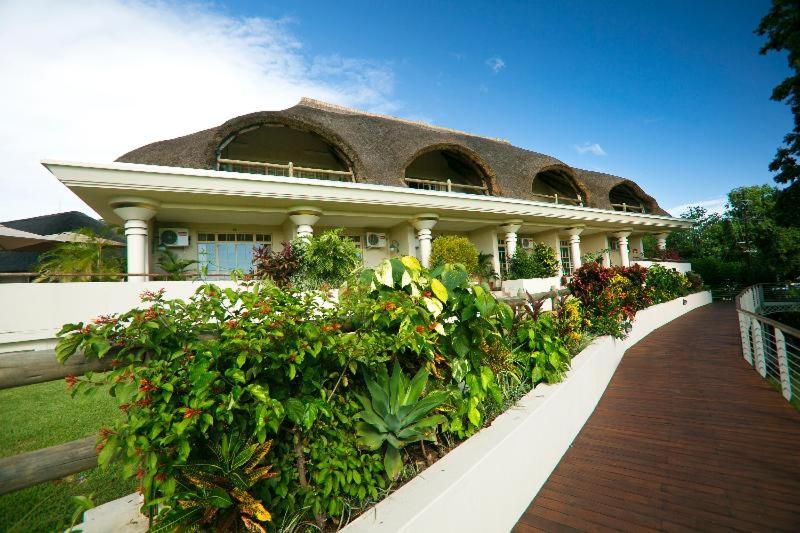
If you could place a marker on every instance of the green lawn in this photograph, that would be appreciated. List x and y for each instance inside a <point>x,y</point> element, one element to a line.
<point>41,415</point>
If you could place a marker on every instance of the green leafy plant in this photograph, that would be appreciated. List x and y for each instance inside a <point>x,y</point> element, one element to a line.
<point>215,492</point>
<point>541,261</point>
<point>174,266</point>
<point>327,259</point>
<point>452,249</point>
<point>665,284</point>
<point>91,258</point>
<point>485,270</point>
<point>394,414</point>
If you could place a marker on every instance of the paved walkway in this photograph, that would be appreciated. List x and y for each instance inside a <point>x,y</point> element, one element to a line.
<point>686,437</point>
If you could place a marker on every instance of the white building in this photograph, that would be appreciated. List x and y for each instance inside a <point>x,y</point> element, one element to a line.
<point>392,184</point>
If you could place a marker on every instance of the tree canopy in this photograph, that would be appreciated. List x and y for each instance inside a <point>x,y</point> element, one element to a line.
<point>781,27</point>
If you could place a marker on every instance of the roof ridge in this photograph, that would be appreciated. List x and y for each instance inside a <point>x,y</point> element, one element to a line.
<point>319,104</point>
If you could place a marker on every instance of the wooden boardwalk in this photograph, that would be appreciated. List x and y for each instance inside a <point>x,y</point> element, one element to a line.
<point>687,437</point>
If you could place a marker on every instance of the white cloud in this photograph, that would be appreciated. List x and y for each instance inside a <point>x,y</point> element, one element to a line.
<point>714,205</point>
<point>496,64</point>
<point>590,148</point>
<point>91,80</point>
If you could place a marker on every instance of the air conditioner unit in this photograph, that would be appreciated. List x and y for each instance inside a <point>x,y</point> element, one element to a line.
<point>173,237</point>
<point>376,240</point>
<point>526,243</point>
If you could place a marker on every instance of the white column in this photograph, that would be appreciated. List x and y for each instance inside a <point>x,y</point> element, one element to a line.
<point>510,229</point>
<point>424,224</point>
<point>783,364</point>
<point>136,212</point>
<point>622,239</point>
<point>661,239</point>
<point>304,219</point>
<point>575,246</point>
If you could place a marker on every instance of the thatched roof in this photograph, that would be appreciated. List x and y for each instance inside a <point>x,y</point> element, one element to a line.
<point>380,148</point>
<point>61,223</point>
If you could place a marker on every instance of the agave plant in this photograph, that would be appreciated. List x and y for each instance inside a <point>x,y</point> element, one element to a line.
<point>216,492</point>
<point>395,414</point>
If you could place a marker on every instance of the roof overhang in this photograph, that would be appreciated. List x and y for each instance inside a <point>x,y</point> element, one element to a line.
<point>208,191</point>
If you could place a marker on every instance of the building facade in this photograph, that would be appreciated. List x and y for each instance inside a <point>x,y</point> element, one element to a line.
<point>392,185</point>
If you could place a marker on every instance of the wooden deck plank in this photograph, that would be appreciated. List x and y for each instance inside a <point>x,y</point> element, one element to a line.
<point>687,437</point>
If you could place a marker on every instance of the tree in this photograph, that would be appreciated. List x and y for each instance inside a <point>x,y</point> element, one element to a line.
<point>781,26</point>
<point>89,258</point>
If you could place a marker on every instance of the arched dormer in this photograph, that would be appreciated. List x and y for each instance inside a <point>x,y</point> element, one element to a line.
<point>450,168</point>
<point>278,149</point>
<point>558,184</point>
<point>627,196</point>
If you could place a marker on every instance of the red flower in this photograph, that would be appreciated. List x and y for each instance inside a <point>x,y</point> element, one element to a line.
<point>139,474</point>
<point>99,448</point>
<point>146,385</point>
<point>327,327</point>
<point>232,324</point>
<point>71,380</point>
<point>144,402</point>
<point>420,329</point>
<point>105,433</point>
<point>427,294</point>
<point>390,306</point>
<point>161,476</point>
<point>433,326</point>
<point>124,407</point>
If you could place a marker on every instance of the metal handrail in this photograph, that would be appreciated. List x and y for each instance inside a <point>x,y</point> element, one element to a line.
<point>447,185</point>
<point>771,347</point>
<point>290,167</point>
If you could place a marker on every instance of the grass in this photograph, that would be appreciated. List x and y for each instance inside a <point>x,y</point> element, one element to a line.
<point>41,415</point>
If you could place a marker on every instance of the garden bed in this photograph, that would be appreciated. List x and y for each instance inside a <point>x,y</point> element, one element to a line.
<point>499,470</point>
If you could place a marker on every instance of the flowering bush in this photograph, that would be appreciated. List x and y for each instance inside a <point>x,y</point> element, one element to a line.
<point>669,254</point>
<point>266,363</point>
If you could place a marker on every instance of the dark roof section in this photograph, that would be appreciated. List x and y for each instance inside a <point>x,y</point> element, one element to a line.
<point>61,223</point>
<point>18,261</point>
<point>381,147</point>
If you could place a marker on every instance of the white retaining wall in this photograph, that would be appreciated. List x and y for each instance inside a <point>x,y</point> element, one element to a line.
<point>683,268</point>
<point>32,313</point>
<point>487,482</point>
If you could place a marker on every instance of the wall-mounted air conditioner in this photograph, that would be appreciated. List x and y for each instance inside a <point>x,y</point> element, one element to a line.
<point>376,240</point>
<point>173,237</point>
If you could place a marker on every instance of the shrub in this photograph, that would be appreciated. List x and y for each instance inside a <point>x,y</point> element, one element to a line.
<point>264,363</point>
<point>665,284</point>
<point>454,250</point>
<point>173,265</point>
<point>326,259</point>
<point>540,262</point>
<point>605,302</point>
<point>279,267</point>
<point>695,281</point>
<point>670,254</point>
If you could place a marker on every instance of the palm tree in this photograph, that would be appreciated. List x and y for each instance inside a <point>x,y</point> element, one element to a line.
<point>85,259</point>
<point>173,265</point>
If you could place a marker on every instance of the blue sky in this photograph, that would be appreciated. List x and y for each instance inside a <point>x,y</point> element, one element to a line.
<point>675,93</point>
<point>672,94</point>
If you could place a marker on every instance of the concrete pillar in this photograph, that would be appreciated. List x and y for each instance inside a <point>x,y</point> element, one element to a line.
<point>136,212</point>
<point>622,239</point>
<point>575,247</point>
<point>424,224</point>
<point>661,239</point>
<point>304,219</point>
<point>510,230</point>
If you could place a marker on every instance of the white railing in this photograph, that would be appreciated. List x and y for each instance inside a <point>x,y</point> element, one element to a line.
<point>289,170</point>
<point>444,185</point>
<point>771,347</point>
<point>556,199</point>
